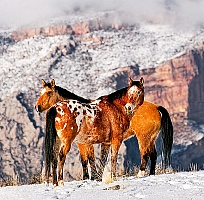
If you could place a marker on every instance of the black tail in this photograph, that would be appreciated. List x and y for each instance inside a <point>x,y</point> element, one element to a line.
<point>167,136</point>
<point>50,139</point>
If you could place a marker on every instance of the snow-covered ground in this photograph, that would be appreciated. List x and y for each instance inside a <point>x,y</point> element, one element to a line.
<point>183,185</point>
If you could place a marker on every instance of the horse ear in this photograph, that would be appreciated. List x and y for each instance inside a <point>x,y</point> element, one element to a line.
<point>141,80</point>
<point>52,83</point>
<point>43,83</point>
<point>130,81</point>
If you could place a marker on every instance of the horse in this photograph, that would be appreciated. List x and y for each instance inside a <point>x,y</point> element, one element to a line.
<point>104,120</point>
<point>147,123</point>
<point>50,94</point>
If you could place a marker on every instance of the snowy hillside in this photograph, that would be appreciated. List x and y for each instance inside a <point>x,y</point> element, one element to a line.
<point>24,63</point>
<point>183,185</point>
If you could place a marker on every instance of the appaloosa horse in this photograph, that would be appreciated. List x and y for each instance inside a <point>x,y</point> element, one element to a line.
<point>50,95</point>
<point>104,120</point>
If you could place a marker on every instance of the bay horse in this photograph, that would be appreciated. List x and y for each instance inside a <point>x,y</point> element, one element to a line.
<point>50,95</point>
<point>104,120</point>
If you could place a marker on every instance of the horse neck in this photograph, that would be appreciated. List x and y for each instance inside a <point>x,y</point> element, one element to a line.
<point>60,98</point>
<point>119,103</point>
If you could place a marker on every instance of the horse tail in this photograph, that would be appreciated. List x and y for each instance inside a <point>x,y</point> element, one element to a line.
<point>167,136</point>
<point>50,138</point>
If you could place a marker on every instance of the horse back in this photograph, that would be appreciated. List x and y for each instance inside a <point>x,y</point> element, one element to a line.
<point>101,124</point>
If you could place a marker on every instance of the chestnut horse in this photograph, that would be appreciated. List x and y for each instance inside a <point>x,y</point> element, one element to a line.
<point>104,120</point>
<point>50,95</point>
<point>148,122</point>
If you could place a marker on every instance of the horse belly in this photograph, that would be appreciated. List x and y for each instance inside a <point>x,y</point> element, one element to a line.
<point>94,129</point>
<point>93,136</point>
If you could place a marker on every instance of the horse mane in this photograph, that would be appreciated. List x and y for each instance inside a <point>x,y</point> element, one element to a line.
<point>69,95</point>
<point>119,93</point>
<point>115,95</point>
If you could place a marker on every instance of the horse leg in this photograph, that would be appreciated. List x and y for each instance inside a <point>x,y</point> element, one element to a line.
<point>84,159</point>
<point>153,158</point>
<point>103,158</point>
<point>87,154</point>
<point>91,158</point>
<point>54,172</point>
<point>144,160</point>
<point>54,161</point>
<point>114,153</point>
<point>61,159</point>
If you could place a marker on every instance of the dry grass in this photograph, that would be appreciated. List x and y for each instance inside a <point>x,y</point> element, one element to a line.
<point>14,181</point>
<point>11,181</point>
<point>38,178</point>
<point>193,167</point>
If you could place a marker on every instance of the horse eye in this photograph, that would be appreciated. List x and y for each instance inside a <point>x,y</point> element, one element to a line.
<point>49,93</point>
<point>139,92</point>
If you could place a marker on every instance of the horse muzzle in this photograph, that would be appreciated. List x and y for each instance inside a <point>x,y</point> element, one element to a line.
<point>38,109</point>
<point>129,108</point>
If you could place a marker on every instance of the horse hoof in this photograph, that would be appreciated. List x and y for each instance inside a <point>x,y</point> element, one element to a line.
<point>61,183</point>
<point>46,183</point>
<point>141,174</point>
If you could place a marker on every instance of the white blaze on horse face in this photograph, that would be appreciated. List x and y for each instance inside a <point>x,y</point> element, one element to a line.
<point>132,91</point>
<point>43,91</point>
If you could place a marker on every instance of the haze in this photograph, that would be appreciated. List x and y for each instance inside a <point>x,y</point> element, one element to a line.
<point>24,12</point>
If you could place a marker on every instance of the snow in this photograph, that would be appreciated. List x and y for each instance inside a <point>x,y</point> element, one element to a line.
<point>181,185</point>
<point>146,45</point>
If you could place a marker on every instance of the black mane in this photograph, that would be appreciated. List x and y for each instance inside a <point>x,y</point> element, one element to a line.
<point>115,95</point>
<point>119,93</point>
<point>67,94</point>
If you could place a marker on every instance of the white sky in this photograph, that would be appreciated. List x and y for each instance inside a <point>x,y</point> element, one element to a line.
<point>21,12</point>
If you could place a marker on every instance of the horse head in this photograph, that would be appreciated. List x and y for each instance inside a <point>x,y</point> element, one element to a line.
<point>48,96</point>
<point>135,95</point>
